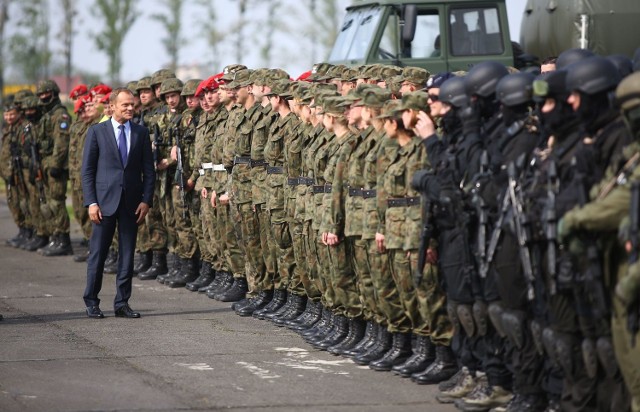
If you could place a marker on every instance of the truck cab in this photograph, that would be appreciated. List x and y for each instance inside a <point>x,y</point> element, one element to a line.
<point>439,35</point>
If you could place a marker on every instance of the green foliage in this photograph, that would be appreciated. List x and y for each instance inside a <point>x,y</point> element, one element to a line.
<point>118,16</point>
<point>29,46</point>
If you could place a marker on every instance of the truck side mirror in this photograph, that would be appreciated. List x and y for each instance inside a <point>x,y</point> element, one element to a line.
<point>410,17</point>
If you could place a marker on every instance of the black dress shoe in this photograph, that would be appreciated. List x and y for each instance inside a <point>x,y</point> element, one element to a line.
<point>94,312</point>
<point>126,312</point>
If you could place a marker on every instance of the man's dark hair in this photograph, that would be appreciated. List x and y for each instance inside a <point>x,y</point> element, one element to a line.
<point>116,92</point>
<point>550,60</point>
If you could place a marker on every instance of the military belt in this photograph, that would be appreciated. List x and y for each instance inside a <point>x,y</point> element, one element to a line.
<point>293,181</point>
<point>219,168</point>
<point>403,201</point>
<point>201,172</point>
<point>242,160</point>
<point>307,181</point>
<point>258,163</point>
<point>318,188</point>
<point>354,192</point>
<point>368,194</point>
<point>207,166</point>
<point>328,188</point>
<point>275,170</point>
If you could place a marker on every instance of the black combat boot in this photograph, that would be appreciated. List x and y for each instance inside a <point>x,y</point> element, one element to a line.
<point>365,343</point>
<point>217,278</point>
<point>380,347</point>
<point>399,352</point>
<point>320,329</point>
<point>20,238</point>
<point>278,301</point>
<point>236,292</point>
<point>28,237</point>
<point>35,243</point>
<point>144,262</point>
<point>111,264</point>
<point>337,335</point>
<point>226,281</point>
<point>356,332</point>
<point>312,314</point>
<point>158,267</point>
<point>296,309</point>
<point>53,241</point>
<point>62,248</point>
<point>189,274</point>
<point>176,268</point>
<point>259,302</point>
<point>442,368</point>
<point>81,256</point>
<point>205,278</point>
<point>424,353</point>
<point>281,310</point>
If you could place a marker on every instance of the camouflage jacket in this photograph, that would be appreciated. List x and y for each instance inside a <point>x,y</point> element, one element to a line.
<point>54,145</point>
<point>242,187</point>
<point>259,188</point>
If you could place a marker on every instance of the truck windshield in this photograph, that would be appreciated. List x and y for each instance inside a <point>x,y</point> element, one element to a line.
<point>356,34</point>
<point>475,31</point>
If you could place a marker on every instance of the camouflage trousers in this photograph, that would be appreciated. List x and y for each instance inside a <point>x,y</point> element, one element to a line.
<point>300,275</point>
<point>152,235</point>
<point>362,269</point>
<point>165,209</point>
<point>268,248</point>
<point>197,219</point>
<point>39,223</point>
<point>284,248</point>
<point>324,283</point>
<point>229,241</point>
<point>186,241</point>
<point>404,310</point>
<point>18,202</point>
<point>343,280</point>
<point>55,210</point>
<point>250,231</point>
<point>212,234</point>
<point>432,305</point>
<point>310,254</point>
<point>387,297</point>
<point>80,212</point>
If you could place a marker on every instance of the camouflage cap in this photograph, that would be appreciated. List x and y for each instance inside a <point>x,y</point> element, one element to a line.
<point>415,75</point>
<point>133,87</point>
<point>10,103</point>
<point>395,83</point>
<point>318,70</point>
<point>190,87</point>
<point>21,95</point>
<point>281,88</point>
<point>144,83</point>
<point>374,97</point>
<point>272,76</point>
<point>387,72</point>
<point>320,95</point>
<point>334,72</point>
<point>30,102</point>
<point>417,100</point>
<point>171,85</point>
<point>390,109</point>
<point>355,95</point>
<point>241,78</point>
<point>160,76</point>
<point>229,71</point>
<point>301,92</point>
<point>258,75</point>
<point>349,75</point>
<point>333,106</point>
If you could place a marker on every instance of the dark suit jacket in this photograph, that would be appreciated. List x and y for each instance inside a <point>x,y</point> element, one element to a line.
<point>105,179</point>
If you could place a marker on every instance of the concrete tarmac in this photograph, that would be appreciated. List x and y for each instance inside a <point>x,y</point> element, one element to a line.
<point>186,352</point>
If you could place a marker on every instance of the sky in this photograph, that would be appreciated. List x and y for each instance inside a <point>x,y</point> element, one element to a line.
<point>143,52</point>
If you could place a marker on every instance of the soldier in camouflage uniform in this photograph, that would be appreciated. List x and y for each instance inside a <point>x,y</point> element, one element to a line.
<point>168,122</point>
<point>185,204</point>
<point>54,149</point>
<point>12,168</point>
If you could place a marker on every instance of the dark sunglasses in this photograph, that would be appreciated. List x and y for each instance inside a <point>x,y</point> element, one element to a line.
<point>434,97</point>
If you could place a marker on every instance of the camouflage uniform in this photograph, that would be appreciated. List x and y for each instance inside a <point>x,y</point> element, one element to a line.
<point>78,134</point>
<point>12,154</point>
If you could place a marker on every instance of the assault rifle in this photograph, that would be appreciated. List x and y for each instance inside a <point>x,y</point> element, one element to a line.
<point>36,175</point>
<point>551,224</point>
<point>179,177</point>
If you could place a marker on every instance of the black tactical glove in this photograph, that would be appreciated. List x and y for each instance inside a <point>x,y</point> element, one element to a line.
<point>55,172</point>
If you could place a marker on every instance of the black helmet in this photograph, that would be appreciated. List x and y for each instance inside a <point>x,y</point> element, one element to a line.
<point>550,84</point>
<point>453,92</point>
<point>515,89</point>
<point>571,56</point>
<point>622,63</point>
<point>483,78</point>
<point>592,75</point>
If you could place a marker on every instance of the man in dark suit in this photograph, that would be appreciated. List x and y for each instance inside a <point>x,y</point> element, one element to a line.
<point>117,181</point>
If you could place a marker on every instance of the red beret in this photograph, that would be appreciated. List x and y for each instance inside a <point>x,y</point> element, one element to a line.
<point>213,82</point>
<point>101,89</point>
<point>200,90</point>
<point>304,76</point>
<point>105,98</point>
<point>79,90</point>
<point>79,104</point>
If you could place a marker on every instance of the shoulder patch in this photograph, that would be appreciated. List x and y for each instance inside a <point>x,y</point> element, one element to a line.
<point>64,125</point>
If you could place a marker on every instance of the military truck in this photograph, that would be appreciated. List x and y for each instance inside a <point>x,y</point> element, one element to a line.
<point>451,35</point>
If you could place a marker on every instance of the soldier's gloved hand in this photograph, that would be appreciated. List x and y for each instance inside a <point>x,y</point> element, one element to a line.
<point>628,288</point>
<point>55,172</point>
<point>470,118</point>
